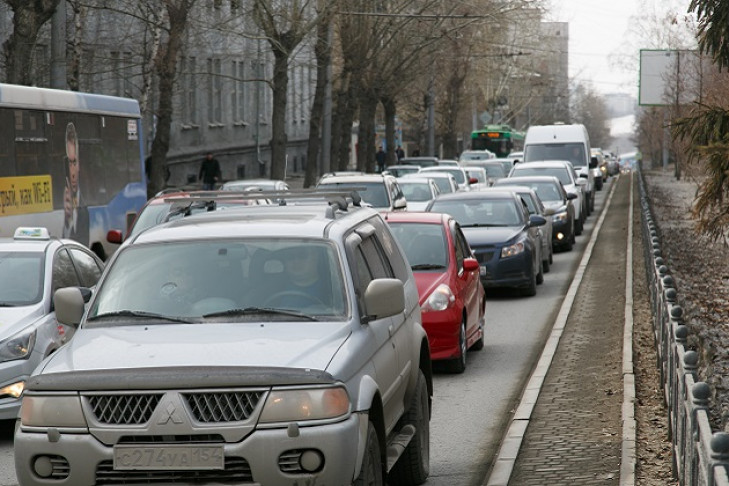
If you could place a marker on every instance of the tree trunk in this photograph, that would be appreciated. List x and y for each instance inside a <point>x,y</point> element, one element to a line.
<point>323,58</point>
<point>278,119</point>
<point>366,139</point>
<point>28,18</point>
<point>166,67</point>
<point>346,120</point>
<point>390,111</point>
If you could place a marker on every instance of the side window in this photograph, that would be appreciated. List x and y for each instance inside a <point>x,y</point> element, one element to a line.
<point>378,267</point>
<point>89,270</point>
<point>462,249</point>
<point>394,259</point>
<point>64,273</point>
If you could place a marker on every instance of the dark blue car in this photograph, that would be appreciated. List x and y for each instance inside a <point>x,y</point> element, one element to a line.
<point>502,235</point>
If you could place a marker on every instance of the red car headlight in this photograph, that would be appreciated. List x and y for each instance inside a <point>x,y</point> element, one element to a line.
<point>440,299</point>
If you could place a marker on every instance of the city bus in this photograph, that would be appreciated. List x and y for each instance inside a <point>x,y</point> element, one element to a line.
<point>70,162</point>
<point>499,139</point>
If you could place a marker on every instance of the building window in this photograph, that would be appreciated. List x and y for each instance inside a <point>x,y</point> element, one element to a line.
<point>189,100</point>
<point>215,92</point>
<point>238,93</point>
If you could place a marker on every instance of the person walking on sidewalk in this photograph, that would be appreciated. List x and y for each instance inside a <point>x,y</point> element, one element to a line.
<point>209,172</point>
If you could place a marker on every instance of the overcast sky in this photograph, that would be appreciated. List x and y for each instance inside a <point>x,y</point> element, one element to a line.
<point>597,30</point>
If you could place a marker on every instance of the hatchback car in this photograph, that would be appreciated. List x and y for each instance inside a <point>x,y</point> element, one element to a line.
<point>566,174</point>
<point>452,298</point>
<point>419,191</point>
<point>381,191</point>
<point>32,266</point>
<point>558,206</point>
<point>502,235</point>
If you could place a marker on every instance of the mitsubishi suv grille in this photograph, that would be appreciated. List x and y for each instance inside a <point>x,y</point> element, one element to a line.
<point>222,407</point>
<point>123,409</point>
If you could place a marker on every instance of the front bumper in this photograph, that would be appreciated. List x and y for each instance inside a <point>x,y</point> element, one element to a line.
<point>258,459</point>
<point>514,271</point>
<point>443,330</point>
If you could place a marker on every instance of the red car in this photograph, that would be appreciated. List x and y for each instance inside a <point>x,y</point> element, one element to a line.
<point>452,298</point>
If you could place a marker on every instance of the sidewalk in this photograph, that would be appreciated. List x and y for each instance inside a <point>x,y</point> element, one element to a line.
<point>568,428</point>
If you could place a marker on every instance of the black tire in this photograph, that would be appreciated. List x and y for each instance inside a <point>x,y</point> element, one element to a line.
<point>578,226</point>
<point>540,273</point>
<point>458,365</point>
<point>371,473</point>
<point>531,289</point>
<point>551,253</point>
<point>413,467</point>
<point>546,262</point>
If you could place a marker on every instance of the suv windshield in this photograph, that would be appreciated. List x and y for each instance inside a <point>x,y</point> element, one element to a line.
<point>574,152</point>
<point>233,280</point>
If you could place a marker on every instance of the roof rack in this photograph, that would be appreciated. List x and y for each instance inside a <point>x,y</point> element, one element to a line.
<point>336,200</point>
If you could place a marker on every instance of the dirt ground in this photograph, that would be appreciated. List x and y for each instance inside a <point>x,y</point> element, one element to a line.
<point>701,271</point>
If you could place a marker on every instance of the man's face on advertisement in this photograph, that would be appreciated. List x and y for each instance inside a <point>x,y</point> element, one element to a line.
<point>73,167</point>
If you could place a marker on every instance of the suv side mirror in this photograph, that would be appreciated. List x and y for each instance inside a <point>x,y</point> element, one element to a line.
<point>69,305</point>
<point>593,162</point>
<point>384,297</point>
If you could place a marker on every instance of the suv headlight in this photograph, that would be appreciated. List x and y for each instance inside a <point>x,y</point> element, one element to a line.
<point>301,404</point>
<point>439,300</point>
<point>18,346</point>
<point>52,411</point>
<point>512,250</point>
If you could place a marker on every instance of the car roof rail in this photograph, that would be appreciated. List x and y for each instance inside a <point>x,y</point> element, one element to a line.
<point>337,200</point>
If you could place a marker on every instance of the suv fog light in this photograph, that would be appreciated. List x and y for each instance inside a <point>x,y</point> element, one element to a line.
<point>311,460</point>
<point>560,236</point>
<point>42,466</point>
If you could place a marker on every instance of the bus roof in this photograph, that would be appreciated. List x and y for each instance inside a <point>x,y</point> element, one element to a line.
<point>34,98</point>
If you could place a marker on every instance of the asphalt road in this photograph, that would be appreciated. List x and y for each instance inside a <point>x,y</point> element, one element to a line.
<point>471,410</point>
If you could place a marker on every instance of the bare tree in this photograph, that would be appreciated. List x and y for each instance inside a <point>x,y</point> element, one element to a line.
<point>590,110</point>
<point>285,25</point>
<point>29,16</point>
<point>165,66</point>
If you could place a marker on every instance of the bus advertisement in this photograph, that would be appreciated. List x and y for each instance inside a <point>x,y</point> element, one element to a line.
<point>70,162</point>
<point>499,139</point>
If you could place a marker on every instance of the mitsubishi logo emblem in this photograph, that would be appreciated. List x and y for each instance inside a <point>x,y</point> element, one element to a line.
<point>170,415</point>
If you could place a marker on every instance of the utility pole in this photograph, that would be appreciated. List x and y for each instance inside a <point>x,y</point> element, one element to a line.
<point>58,47</point>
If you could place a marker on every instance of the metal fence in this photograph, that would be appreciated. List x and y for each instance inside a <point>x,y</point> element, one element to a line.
<point>700,456</point>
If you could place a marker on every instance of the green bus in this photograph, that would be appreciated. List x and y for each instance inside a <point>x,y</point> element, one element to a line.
<point>499,139</point>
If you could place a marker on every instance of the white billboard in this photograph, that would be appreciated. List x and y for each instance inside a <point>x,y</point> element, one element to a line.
<point>668,77</point>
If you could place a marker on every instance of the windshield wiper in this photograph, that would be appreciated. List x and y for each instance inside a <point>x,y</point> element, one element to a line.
<point>260,310</point>
<point>3,304</point>
<point>427,266</point>
<point>140,314</point>
<point>482,225</point>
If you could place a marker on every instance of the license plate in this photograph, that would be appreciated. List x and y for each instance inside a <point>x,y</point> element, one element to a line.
<point>170,457</point>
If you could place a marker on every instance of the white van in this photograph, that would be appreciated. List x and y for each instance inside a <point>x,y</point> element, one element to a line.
<point>563,142</point>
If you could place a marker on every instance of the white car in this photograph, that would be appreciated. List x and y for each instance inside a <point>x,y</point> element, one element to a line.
<point>32,266</point>
<point>381,191</point>
<point>467,155</point>
<point>565,172</point>
<point>446,182</point>
<point>419,191</point>
<point>464,182</point>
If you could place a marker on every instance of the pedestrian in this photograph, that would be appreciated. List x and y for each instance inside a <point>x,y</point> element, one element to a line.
<point>380,158</point>
<point>400,153</point>
<point>209,172</point>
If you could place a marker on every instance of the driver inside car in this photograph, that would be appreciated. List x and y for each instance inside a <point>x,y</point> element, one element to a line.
<point>303,280</point>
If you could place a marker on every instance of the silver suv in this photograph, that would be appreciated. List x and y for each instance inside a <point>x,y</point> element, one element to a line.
<point>272,345</point>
